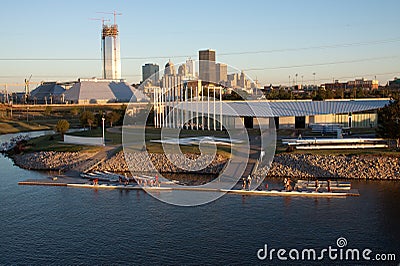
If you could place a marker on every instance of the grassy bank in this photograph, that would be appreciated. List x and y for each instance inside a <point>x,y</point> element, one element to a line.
<point>115,138</point>
<point>55,143</point>
<point>7,127</point>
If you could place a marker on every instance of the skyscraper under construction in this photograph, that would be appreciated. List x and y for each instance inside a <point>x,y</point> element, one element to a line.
<point>111,55</point>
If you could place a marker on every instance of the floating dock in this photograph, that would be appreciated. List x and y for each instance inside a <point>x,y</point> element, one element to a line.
<point>266,193</point>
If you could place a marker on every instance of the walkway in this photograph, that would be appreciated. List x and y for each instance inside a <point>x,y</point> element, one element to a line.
<point>104,154</point>
<point>254,155</point>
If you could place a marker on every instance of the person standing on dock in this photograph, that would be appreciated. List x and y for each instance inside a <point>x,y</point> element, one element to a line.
<point>126,180</point>
<point>289,184</point>
<point>329,185</point>
<point>244,184</point>
<point>249,182</point>
<point>157,182</point>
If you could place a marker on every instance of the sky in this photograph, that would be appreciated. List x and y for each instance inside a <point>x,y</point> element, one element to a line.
<point>269,40</point>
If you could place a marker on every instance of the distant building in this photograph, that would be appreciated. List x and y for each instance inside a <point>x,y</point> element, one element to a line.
<point>352,84</point>
<point>221,72</point>
<point>111,55</point>
<point>169,69</point>
<point>182,70</point>
<point>190,67</point>
<point>207,71</point>
<point>232,80</point>
<point>94,91</point>
<point>242,81</point>
<point>394,84</point>
<point>170,79</point>
<point>150,71</point>
<point>363,84</point>
<point>47,93</point>
<point>335,85</point>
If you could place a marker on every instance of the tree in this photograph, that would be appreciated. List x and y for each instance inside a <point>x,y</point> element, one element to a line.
<point>48,110</point>
<point>113,117</point>
<point>87,119</point>
<point>389,120</point>
<point>62,127</point>
<point>74,111</point>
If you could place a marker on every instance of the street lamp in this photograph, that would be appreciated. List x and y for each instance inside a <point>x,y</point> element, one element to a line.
<point>314,78</point>
<point>104,142</point>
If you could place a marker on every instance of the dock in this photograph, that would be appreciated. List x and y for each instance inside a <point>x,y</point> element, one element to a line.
<point>170,188</point>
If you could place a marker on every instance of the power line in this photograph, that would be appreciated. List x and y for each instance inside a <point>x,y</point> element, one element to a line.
<point>343,45</point>
<point>325,63</point>
<point>346,77</point>
<point>315,47</point>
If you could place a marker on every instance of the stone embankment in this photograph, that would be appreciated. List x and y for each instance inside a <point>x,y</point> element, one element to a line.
<point>335,167</point>
<point>138,162</point>
<point>284,165</point>
<point>50,160</point>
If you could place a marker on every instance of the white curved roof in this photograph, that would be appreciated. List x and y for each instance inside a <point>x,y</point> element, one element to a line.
<point>104,91</point>
<point>287,108</point>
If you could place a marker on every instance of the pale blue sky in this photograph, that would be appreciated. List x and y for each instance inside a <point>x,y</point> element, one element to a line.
<point>61,29</point>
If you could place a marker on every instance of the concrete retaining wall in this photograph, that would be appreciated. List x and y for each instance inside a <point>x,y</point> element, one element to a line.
<point>95,141</point>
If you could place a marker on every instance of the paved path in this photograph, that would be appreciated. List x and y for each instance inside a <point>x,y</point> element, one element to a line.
<point>104,154</point>
<point>255,150</point>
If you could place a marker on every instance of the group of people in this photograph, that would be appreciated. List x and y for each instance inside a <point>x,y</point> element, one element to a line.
<point>149,182</point>
<point>318,185</point>
<point>125,180</point>
<point>246,183</point>
<point>287,183</point>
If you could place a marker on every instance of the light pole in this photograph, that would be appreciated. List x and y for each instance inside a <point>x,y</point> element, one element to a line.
<point>27,114</point>
<point>104,140</point>
<point>314,78</point>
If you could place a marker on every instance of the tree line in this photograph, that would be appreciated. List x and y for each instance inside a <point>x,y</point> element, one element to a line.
<point>90,119</point>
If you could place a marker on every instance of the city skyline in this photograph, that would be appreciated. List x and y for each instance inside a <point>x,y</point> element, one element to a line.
<point>269,41</point>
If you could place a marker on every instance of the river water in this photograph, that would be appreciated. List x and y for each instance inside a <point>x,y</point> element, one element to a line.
<point>60,225</point>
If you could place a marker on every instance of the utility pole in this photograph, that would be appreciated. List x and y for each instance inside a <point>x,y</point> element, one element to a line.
<point>314,78</point>
<point>104,140</point>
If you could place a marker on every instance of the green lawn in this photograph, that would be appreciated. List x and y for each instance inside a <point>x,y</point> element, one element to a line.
<point>13,126</point>
<point>111,138</point>
<point>54,143</point>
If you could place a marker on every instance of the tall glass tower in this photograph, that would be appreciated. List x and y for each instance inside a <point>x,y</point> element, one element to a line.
<point>111,55</point>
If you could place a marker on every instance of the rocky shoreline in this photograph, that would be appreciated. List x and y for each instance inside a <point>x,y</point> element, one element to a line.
<point>50,160</point>
<point>138,162</point>
<point>284,165</point>
<point>333,167</point>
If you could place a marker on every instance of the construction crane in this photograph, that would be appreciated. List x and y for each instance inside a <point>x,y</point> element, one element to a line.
<point>25,85</point>
<point>115,14</point>
<point>101,19</point>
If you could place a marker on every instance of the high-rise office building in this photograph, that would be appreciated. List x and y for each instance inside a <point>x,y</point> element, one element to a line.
<point>207,71</point>
<point>111,52</point>
<point>169,68</point>
<point>221,72</point>
<point>190,67</point>
<point>242,80</point>
<point>150,71</point>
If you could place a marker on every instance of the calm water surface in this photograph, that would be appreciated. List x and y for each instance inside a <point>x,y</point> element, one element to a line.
<point>59,225</point>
